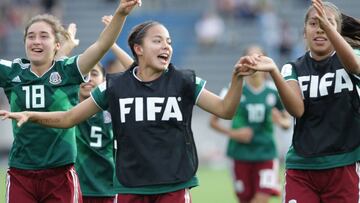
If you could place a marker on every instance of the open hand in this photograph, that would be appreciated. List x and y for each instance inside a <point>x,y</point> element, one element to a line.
<point>106,19</point>
<point>264,63</point>
<point>321,14</point>
<point>72,34</point>
<point>20,117</point>
<point>243,66</point>
<point>126,6</point>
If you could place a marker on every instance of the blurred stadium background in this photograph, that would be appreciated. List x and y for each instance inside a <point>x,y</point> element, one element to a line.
<point>208,36</point>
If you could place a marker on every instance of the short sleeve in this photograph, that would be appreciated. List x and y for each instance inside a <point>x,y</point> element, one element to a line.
<point>100,97</point>
<point>357,52</point>
<point>5,69</point>
<point>72,69</point>
<point>288,72</point>
<point>200,84</point>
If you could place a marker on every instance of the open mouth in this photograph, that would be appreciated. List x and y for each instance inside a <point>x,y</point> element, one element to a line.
<point>164,58</point>
<point>320,39</point>
<point>37,50</point>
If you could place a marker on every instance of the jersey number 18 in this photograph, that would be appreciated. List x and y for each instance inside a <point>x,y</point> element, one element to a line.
<point>34,96</point>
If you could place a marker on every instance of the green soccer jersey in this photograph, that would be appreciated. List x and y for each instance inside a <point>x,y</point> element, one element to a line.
<point>95,160</point>
<point>295,161</point>
<point>100,99</point>
<point>35,146</point>
<point>254,111</point>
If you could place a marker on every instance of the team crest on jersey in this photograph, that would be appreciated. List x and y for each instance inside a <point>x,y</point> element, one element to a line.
<point>271,99</point>
<point>243,98</point>
<point>286,70</point>
<point>55,78</point>
<point>107,117</point>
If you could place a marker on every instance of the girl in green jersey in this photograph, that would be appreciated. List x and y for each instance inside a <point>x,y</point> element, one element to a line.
<point>162,133</point>
<point>41,167</point>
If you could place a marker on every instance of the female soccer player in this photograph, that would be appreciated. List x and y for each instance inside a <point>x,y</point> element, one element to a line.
<point>151,107</point>
<point>251,145</point>
<point>41,167</point>
<point>321,90</point>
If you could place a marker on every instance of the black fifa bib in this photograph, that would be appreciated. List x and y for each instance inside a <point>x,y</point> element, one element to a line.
<point>152,127</point>
<point>330,123</point>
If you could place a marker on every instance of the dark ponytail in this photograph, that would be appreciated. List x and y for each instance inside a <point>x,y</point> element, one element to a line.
<point>351,30</point>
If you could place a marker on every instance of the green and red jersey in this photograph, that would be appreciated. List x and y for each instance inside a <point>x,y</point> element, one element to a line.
<point>255,112</point>
<point>37,147</point>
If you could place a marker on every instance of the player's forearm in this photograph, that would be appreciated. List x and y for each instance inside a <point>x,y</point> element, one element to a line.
<point>215,124</point>
<point>55,119</point>
<point>290,95</point>
<point>232,98</point>
<point>122,56</point>
<point>107,38</point>
<point>344,51</point>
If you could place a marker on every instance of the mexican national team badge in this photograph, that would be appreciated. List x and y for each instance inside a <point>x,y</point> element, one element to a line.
<point>107,117</point>
<point>271,99</point>
<point>55,78</point>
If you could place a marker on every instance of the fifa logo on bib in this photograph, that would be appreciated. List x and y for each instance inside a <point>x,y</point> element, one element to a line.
<point>168,108</point>
<point>320,86</point>
<point>55,78</point>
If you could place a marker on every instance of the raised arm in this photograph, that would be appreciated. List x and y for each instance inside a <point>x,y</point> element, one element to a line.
<point>69,43</point>
<point>225,108</point>
<point>96,51</point>
<point>121,55</point>
<point>289,91</point>
<point>56,119</point>
<point>345,52</point>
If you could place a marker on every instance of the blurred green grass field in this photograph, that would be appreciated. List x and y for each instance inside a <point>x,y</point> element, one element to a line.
<point>215,187</point>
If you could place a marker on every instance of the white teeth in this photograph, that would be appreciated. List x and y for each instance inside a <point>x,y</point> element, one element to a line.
<point>320,39</point>
<point>164,55</point>
<point>37,50</point>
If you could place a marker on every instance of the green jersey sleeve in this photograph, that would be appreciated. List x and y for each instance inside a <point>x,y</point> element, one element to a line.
<point>100,97</point>
<point>71,66</point>
<point>200,84</point>
<point>5,68</point>
<point>357,51</point>
<point>279,104</point>
<point>288,72</point>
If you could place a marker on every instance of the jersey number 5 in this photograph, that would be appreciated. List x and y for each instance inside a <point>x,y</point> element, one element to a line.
<point>96,133</point>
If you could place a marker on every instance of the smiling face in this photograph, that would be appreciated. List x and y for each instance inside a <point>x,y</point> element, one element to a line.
<point>156,50</point>
<point>316,38</point>
<point>40,44</point>
<point>96,78</point>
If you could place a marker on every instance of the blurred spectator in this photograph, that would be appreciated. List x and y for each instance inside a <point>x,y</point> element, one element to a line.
<point>247,9</point>
<point>226,8</point>
<point>270,30</point>
<point>52,6</point>
<point>3,28</point>
<point>287,41</point>
<point>209,29</point>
